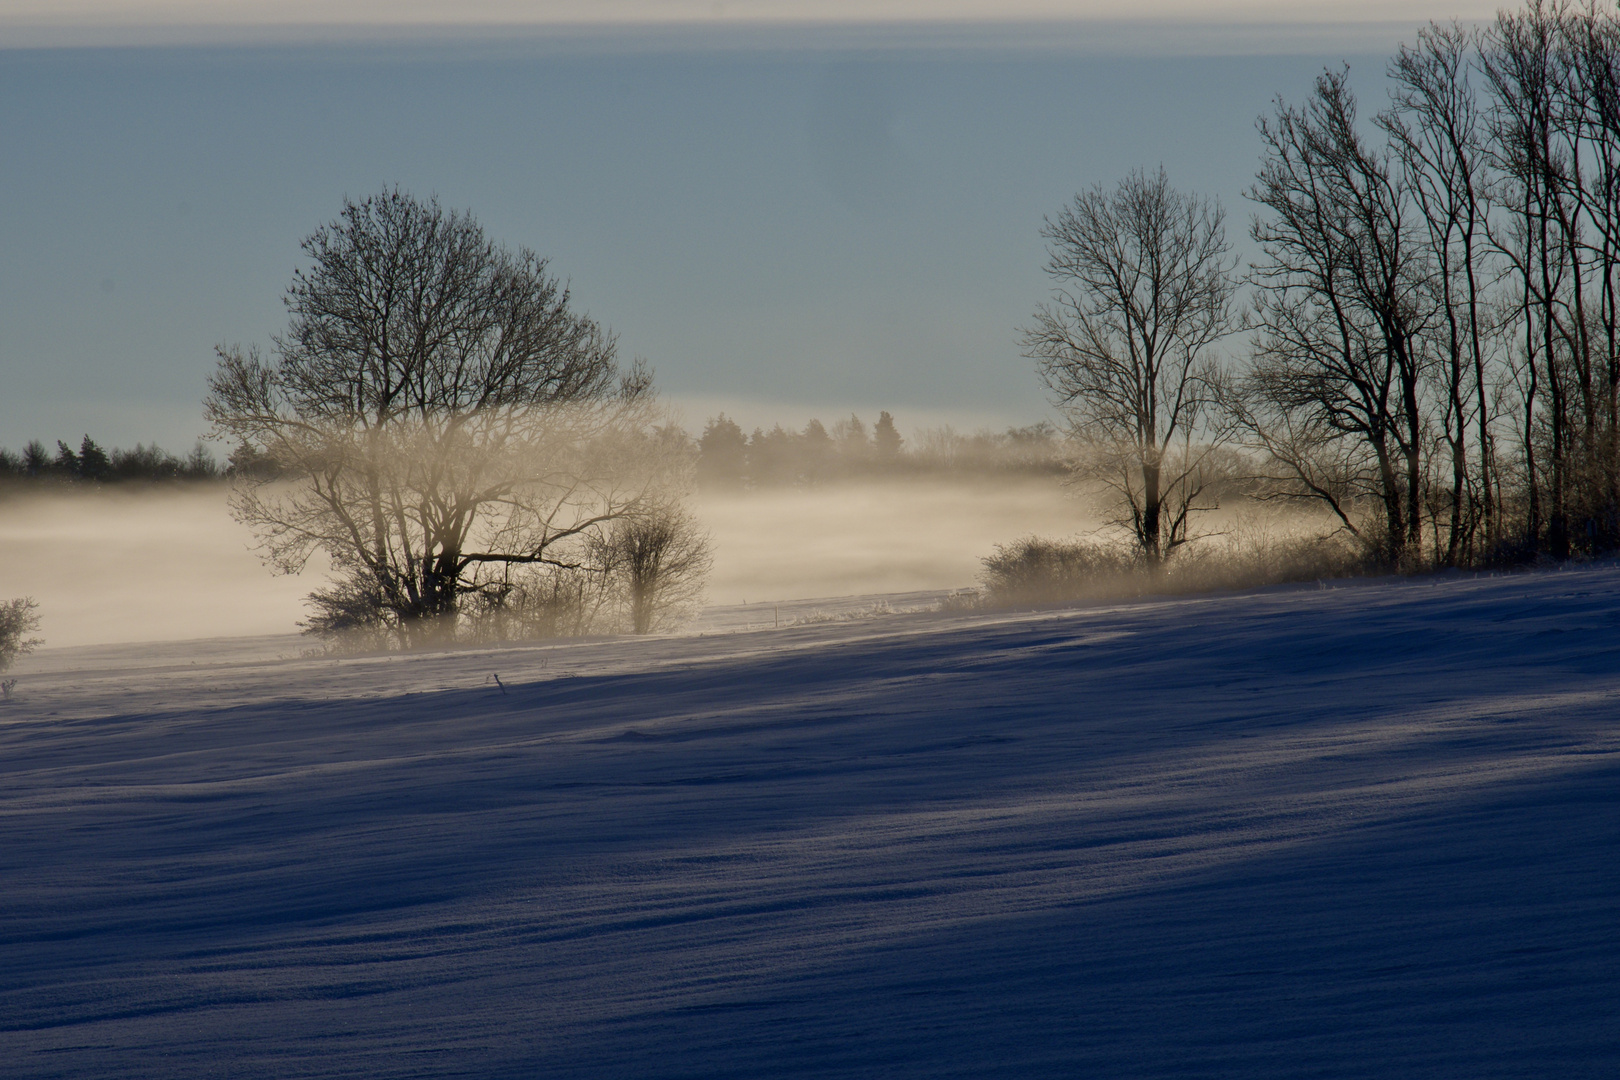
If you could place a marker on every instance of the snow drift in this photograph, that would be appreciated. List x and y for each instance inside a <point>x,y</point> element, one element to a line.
<point>1359,831</point>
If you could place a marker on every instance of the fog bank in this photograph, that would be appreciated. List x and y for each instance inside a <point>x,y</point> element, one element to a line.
<point>151,565</point>
<point>885,536</point>
<point>119,565</point>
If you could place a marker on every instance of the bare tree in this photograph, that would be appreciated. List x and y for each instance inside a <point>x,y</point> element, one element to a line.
<point>660,559</point>
<point>1344,299</point>
<point>1438,132</point>
<point>436,415</point>
<point>1143,291</point>
<point>1526,72</point>
<point>1594,107</point>
<point>1552,72</point>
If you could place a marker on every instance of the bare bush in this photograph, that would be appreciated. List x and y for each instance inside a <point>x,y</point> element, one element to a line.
<point>660,560</point>
<point>818,617</point>
<point>1254,551</point>
<point>1251,552</point>
<point>1038,570</point>
<point>19,619</point>
<point>536,603</point>
<point>353,612</point>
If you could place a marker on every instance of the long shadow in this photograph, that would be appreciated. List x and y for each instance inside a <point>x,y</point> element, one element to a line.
<point>249,862</point>
<point>1479,941</point>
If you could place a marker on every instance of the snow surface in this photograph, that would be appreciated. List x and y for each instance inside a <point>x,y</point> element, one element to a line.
<point>1362,831</point>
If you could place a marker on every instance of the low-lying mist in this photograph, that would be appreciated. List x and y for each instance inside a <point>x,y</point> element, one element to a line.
<point>110,565</point>
<point>874,536</point>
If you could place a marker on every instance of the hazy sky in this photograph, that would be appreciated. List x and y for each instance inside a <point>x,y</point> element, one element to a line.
<point>784,222</point>
<point>620,12</point>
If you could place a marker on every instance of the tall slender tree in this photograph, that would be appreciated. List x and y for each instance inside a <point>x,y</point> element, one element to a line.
<point>1343,297</point>
<point>1143,293</point>
<point>1436,130</point>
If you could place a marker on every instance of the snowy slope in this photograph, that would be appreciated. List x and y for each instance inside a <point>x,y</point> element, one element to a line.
<point>1368,831</point>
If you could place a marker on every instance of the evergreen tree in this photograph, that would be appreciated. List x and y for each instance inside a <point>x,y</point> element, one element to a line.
<point>93,461</point>
<point>815,450</point>
<point>722,452</point>
<point>67,462</point>
<point>885,439</point>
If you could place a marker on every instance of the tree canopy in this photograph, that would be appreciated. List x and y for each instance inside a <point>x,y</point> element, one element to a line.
<point>436,418</point>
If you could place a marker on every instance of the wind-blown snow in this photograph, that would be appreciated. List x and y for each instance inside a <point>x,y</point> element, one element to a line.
<point>1365,831</point>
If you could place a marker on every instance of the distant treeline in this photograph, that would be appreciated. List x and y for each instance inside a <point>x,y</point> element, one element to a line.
<point>728,457</point>
<point>91,464</point>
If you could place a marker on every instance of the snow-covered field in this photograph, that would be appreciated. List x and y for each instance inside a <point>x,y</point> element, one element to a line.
<point>1364,831</point>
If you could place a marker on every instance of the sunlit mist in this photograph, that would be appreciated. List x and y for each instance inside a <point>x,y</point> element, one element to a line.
<point>148,566</point>
<point>110,566</point>
<point>874,537</point>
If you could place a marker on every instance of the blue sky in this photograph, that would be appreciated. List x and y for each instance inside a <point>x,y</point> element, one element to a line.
<point>783,224</point>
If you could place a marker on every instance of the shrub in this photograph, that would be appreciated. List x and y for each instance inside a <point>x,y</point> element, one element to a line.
<point>18,620</point>
<point>544,602</point>
<point>1037,570</point>
<point>658,562</point>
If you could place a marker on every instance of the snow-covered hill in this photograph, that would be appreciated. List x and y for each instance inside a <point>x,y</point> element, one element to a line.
<point>1363,831</point>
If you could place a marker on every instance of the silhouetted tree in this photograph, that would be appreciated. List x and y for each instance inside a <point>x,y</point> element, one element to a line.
<point>36,459</point>
<point>815,450</point>
<point>849,436</point>
<point>722,452</point>
<point>772,458</point>
<point>199,464</point>
<point>1438,133</point>
<point>93,461</point>
<point>1142,292</point>
<point>66,462</point>
<point>249,462</point>
<point>885,438</point>
<point>439,415</point>
<point>144,462</point>
<point>1345,297</point>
